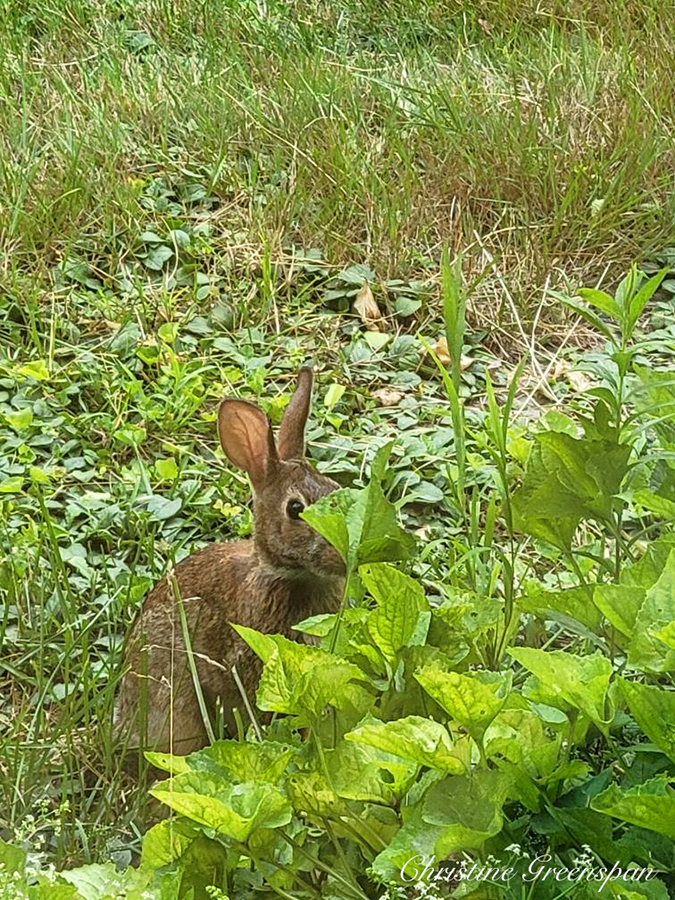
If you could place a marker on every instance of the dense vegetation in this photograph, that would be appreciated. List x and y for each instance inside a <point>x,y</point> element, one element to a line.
<point>199,197</point>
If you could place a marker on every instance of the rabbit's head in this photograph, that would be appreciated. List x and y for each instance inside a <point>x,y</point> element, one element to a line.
<point>283,483</point>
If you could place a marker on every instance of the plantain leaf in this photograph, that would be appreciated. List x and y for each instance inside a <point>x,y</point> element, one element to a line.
<point>581,681</point>
<point>653,708</point>
<point>472,699</point>
<point>650,805</point>
<point>423,741</point>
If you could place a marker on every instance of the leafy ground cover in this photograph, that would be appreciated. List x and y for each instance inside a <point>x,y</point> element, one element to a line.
<point>193,200</point>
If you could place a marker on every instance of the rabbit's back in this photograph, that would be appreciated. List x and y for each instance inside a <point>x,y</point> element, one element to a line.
<point>157,700</point>
<point>223,583</point>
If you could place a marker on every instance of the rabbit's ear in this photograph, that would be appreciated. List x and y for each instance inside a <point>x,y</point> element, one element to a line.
<point>292,428</point>
<point>246,438</point>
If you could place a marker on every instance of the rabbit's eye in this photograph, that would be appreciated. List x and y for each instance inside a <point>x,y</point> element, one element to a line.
<point>294,508</point>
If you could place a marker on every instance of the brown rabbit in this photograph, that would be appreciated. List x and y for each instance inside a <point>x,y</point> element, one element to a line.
<point>284,574</point>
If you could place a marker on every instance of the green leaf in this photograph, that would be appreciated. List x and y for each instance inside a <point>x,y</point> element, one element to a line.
<point>655,503</point>
<point>232,810</point>
<point>472,699</point>
<point>162,508</point>
<point>166,842</point>
<point>11,485</point>
<point>36,369</point>
<point>650,805</point>
<point>376,340</point>
<point>20,420</point>
<point>166,468</point>
<point>400,600</point>
<point>299,678</point>
<point>653,708</point>
<point>259,761</point>
<point>646,652</point>
<point>519,736</point>
<point>333,395</point>
<point>603,302</point>
<point>423,741</point>
<point>620,605</point>
<point>98,881</point>
<point>328,517</point>
<point>642,298</point>
<point>585,313</point>
<point>581,681</point>
<point>12,859</point>
<point>458,813</point>
<point>366,773</point>
<point>168,332</point>
<point>571,602</point>
<point>362,524</point>
<point>158,256</point>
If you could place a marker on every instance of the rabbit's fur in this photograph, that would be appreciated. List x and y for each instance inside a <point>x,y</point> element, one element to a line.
<point>284,574</point>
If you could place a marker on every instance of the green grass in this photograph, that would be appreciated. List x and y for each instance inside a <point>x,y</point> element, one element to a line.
<point>179,182</point>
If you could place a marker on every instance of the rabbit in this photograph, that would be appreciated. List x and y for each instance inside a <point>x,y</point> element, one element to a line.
<point>282,575</point>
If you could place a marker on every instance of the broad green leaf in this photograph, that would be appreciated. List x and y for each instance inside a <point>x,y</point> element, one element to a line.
<point>650,805</point>
<point>333,683</point>
<point>298,677</point>
<point>328,517</point>
<point>400,600</point>
<point>374,532</point>
<point>582,681</point>
<point>166,468</point>
<point>166,842</point>
<point>666,635</point>
<point>646,651</point>
<point>162,508</point>
<point>655,503</point>
<point>97,881</point>
<point>236,761</point>
<point>519,736</point>
<point>423,741</point>
<point>333,395</point>
<point>12,859</point>
<point>458,813</point>
<point>158,256</point>
<point>36,369</point>
<point>568,479</point>
<point>20,420</point>
<point>311,793</point>
<point>47,890</point>
<point>362,524</point>
<point>11,485</point>
<point>653,708</point>
<point>655,397</point>
<point>467,807</point>
<point>232,810</point>
<point>571,602</point>
<point>360,772</point>
<point>620,605</point>
<point>647,570</point>
<point>472,699</point>
<point>167,762</point>
<point>263,645</point>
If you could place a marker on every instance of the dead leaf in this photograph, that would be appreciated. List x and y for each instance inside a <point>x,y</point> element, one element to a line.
<point>441,350</point>
<point>485,26</point>
<point>367,308</point>
<point>580,381</point>
<point>388,397</point>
